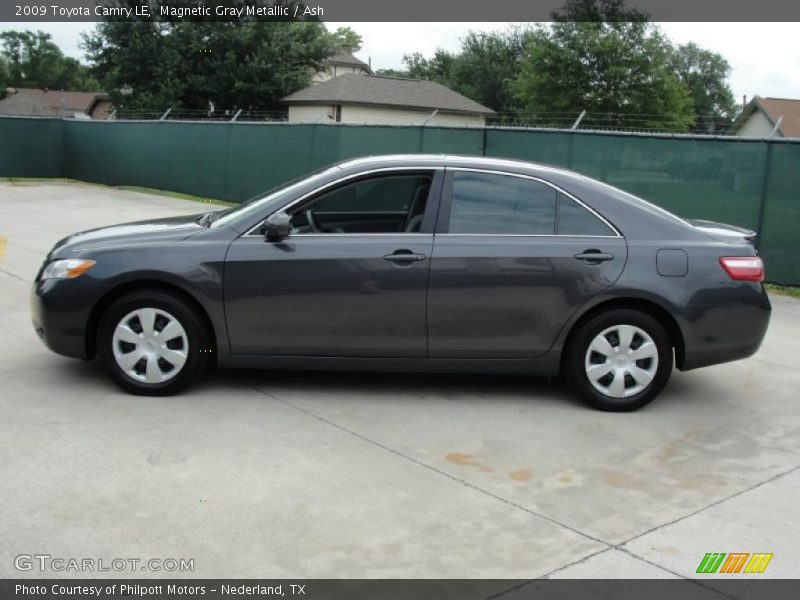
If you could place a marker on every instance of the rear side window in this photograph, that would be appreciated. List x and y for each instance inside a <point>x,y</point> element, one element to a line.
<point>574,219</point>
<point>501,204</point>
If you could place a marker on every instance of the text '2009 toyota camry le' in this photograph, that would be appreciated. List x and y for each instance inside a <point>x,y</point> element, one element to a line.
<point>413,263</point>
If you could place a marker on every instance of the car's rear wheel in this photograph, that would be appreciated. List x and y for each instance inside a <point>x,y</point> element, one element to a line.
<point>619,360</point>
<point>153,343</point>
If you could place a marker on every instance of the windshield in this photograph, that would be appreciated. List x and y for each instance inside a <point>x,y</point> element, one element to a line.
<point>277,194</point>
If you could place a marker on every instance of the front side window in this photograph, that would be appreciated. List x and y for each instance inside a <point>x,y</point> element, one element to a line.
<point>501,204</point>
<point>379,204</point>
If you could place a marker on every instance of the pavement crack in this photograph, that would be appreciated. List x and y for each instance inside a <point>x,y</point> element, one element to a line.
<point>10,274</point>
<point>577,562</point>
<point>707,506</point>
<point>432,468</point>
<point>663,568</point>
<point>604,550</point>
<point>511,590</point>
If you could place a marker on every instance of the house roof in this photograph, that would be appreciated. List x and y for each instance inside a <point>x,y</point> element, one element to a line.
<point>344,57</point>
<point>392,92</point>
<point>47,103</point>
<point>787,109</point>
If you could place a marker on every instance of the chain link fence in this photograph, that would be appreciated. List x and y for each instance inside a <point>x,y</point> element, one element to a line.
<point>567,120</point>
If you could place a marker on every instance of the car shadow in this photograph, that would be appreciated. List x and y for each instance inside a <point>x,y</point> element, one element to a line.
<point>679,394</point>
<point>385,387</point>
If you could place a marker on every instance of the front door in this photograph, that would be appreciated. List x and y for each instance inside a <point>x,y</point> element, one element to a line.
<point>513,258</point>
<point>350,280</point>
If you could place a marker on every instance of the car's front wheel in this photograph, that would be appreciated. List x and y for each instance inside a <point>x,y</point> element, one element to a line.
<point>153,343</point>
<point>619,360</point>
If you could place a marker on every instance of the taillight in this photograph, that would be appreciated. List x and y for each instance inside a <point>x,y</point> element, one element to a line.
<point>743,268</point>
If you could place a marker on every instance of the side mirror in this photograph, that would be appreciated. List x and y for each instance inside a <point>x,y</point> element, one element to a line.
<point>277,227</point>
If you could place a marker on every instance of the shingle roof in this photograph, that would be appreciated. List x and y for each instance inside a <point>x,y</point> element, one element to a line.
<point>387,91</point>
<point>50,103</point>
<point>775,108</point>
<point>344,57</point>
<point>786,108</point>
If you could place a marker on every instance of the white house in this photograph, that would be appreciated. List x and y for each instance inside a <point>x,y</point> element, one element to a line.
<point>341,63</point>
<point>378,100</point>
<point>761,116</point>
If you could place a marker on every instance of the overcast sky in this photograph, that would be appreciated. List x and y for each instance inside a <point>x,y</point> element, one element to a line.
<point>765,57</point>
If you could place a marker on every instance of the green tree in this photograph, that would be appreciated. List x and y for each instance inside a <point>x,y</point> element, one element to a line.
<point>619,72</point>
<point>486,67</point>
<point>482,70</point>
<point>436,68</point>
<point>345,37</point>
<point>392,72</point>
<point>34,61</point>
<point>193,65</point>
<point>598,11</point>
<point>705,74</point>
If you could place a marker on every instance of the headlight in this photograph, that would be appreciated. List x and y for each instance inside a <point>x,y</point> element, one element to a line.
<point>67,269</point>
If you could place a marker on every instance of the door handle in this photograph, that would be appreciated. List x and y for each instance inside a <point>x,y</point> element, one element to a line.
<point>404,256</point>
<point>594,257</point>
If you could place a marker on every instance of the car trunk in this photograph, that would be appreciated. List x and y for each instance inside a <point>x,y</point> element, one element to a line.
<point>724,232</point>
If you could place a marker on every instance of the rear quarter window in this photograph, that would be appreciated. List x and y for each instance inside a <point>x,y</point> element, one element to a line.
<point>574,219</point>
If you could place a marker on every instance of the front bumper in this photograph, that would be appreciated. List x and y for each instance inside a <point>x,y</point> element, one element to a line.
<point>60,314</point>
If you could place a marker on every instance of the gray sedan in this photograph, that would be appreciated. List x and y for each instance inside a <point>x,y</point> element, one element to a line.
<point>412,263</point>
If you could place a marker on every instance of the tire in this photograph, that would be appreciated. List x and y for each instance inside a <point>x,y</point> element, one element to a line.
<point>608,375</point>
<point>164,366</point>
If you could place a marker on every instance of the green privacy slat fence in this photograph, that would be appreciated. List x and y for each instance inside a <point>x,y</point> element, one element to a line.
<point>31,148</point>
<point>752,183</point>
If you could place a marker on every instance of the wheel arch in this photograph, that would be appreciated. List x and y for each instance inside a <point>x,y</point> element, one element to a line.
<point>654,309</point>
<point>132,286</point>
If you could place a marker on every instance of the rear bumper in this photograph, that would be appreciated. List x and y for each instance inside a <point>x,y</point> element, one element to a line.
<point>720,333</point>
<point>59,316</point>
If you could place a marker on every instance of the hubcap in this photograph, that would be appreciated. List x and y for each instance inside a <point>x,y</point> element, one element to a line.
<point>150,345</point>
<point>621,361</point>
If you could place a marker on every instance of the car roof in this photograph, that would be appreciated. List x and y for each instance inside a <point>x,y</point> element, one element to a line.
<point>449,160</point>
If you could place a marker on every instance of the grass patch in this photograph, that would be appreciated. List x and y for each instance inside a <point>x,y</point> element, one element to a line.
<point>37,180</point>
<point>178,195</point>
<point>127,188</point>
<point>783,290</point>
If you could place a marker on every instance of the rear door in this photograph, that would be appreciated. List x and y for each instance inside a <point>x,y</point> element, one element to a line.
<point>513,258</point>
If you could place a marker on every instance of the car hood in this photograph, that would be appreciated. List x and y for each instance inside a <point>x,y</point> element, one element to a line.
<point>177,228</point>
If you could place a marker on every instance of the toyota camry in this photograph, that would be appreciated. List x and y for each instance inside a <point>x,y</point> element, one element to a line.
<point>412,263</point>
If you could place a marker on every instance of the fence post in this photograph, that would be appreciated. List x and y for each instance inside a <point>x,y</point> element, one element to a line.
<point>483,143</point>
<point>764,192</point>
<point>570,146</point>
<point>311,146</point>
<point>578,120</point>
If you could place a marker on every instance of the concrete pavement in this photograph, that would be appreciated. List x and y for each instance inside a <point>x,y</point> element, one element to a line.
<point>270,474</point>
